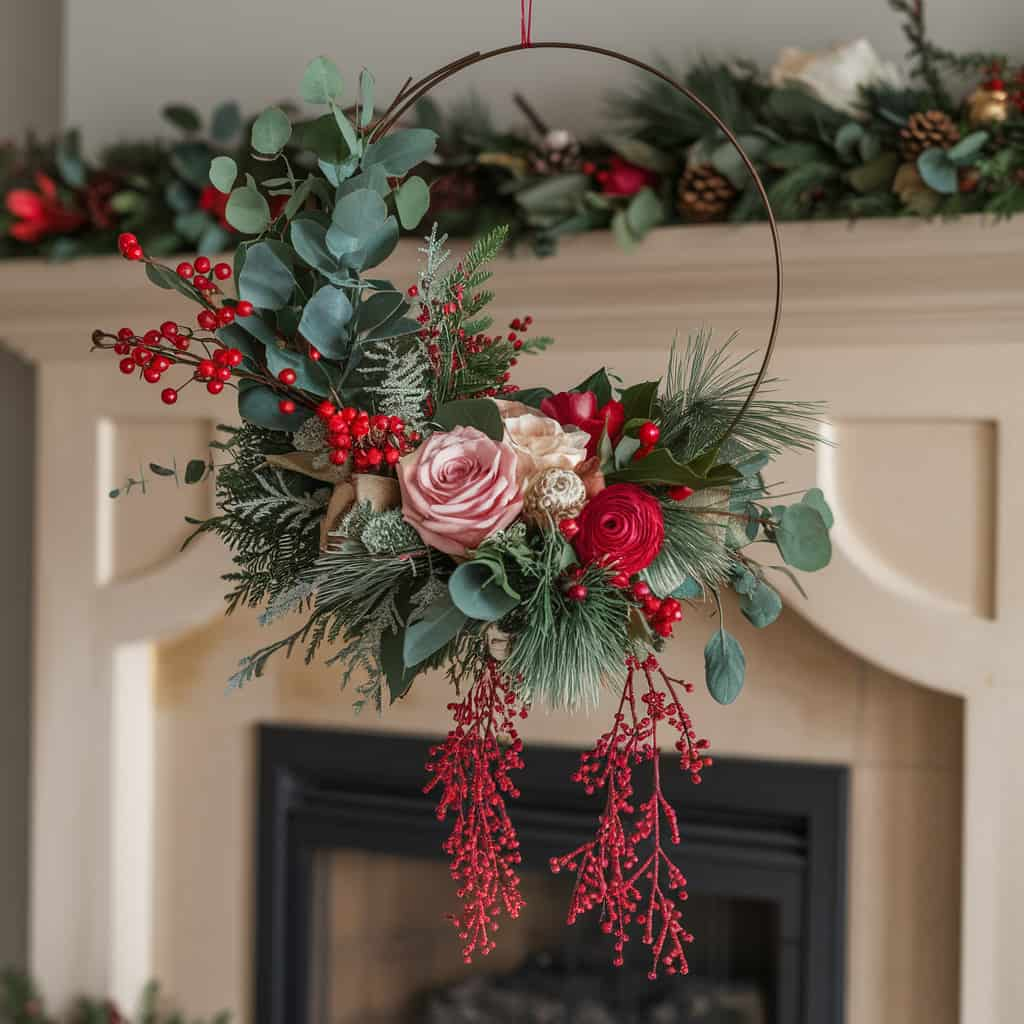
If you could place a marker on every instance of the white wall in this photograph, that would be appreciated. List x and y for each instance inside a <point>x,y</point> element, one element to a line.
<point>125,58</point>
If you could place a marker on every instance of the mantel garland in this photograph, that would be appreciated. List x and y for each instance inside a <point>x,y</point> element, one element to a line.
<point>833,135</point>
<point>393,489</point>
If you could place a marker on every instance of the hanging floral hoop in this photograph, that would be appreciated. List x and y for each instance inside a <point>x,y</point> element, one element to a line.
<point>419,510</point>
<point>412,92</point>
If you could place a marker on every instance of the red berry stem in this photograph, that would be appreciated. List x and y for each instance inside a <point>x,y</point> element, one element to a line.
<point>610,868</point>
<point>472,768</point>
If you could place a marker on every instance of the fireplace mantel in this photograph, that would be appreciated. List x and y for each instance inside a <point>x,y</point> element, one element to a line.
<point>911,331</point>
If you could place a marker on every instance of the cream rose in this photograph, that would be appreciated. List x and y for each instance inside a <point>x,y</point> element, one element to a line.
<point>458,488</point>
<point>837,75</point>
<point>543,443</point>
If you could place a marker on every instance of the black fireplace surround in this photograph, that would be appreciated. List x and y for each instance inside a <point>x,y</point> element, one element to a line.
<point>755,830</point>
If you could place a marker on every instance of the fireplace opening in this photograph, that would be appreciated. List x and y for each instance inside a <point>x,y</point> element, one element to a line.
<point>352,889</point>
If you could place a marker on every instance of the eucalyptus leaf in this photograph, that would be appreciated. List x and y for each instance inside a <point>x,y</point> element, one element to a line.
<point>761,605</point>
<point>164,277</point>
<point>412,201</point>
<point>802,538</point>
<point>476,592</point>
<point>968,148</point>
<point>401,151</point>
<point>374,178</point>
<point>399,677</point>
<point>309,240</point>
<point>271,131</point>
<point>376,249</point>
<point>225,122</point>
<point>440,624</point>
<point>265,280</point>
<point>481,413</point>
<point>816,499</point>
<point>321,81</point>
<point>645,211</point>
<point>725,666</point>
<point>360,214</point>
<point>308,375</point>
<point>184,117</point>
<point>938,171</point>
<point>223,172</point>
<point>688,590</point>
<point>195,471</point>
<point>366,87</point>
<point>247,211</point>
<point>325,319</point>
<point>298,198</point>
<point>322,138</point>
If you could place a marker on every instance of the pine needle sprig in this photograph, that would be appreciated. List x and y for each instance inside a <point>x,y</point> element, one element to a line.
<point>695,543</point>
<point>705,388</point>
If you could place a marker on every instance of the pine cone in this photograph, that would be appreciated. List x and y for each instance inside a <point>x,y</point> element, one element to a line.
<point>704,194</point>
<point>928,129</point>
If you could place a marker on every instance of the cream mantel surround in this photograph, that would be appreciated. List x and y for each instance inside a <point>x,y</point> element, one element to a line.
<point>913,332</point>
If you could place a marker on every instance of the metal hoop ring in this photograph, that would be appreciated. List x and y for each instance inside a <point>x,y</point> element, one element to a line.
<point>411,92</point>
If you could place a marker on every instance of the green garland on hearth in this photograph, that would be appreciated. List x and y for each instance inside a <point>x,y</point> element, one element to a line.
<point>22,1003</point>
<point>888,146</point>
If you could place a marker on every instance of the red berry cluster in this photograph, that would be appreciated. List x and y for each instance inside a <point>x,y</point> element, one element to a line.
<point>374,441</point>
<point>472,769</point>
<point>661,612</point>
<point>610,869</point>
<point>996,82</point>
<point>129,246</point>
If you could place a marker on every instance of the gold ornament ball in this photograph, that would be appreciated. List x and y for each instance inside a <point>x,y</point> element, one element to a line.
<point>987,106</point>
<point>554,494</point>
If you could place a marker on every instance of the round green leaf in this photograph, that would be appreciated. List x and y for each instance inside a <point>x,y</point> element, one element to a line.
<point>725,667</point>
<point>938,171</point>
<point>321,81</point>
<point>428,635</point>
<point>761,605</point>
<point>478,594</point>
<point>803,538</point>
<point>399,152</point>
<point>360,214</point>
<point>182,117</point>
<point>324,322</point>
<point>309,240</point>
<point>223,172</point>
<point>265,281</point>
<point>816,499</point>
<point>271,131</point>
<point>225,122</point>
<point>412,201</point>
<point>247,211</point>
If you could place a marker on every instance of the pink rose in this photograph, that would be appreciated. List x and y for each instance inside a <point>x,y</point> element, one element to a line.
<point>458,488</point>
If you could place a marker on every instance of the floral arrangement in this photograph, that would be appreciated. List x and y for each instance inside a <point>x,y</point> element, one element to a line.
<point>839,134</point>
<point>417,510</point>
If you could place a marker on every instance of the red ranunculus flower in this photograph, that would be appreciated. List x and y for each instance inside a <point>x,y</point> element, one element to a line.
<point>579,409</point>
<point>621,527</point>
<point>621,178</point>
<point>40,213</point>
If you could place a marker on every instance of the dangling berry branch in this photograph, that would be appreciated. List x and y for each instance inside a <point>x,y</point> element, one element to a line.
<point>610,867</point>
<point>472,768</point>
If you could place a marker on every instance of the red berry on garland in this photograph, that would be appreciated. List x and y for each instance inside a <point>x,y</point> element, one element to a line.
<point>201,282</point>
<point>325,410</point>
<point>206,369</point>
<point>243,308</point>
<point>392,455</point>
<point>379,422</point>
<point>287,376</point>
<point>620,580</point>
<point>640,590</point>
<point>141,355</point>
<point>133,252</point>
<point>162,364</point>
<point>663,628</point>
<point>680,493</point>
<point>125,239</point>
<point>168,396</point>
<point>151,338</point>
<point>374,457</point>
<point>396,425</point>
<point>180,342</point>
<point>642,452</point>
<point>125,334</point>
<point>649,433</point>
<point>577,592</point>
<point>349,413</point>
<point>338,457</point>
<point>314,354</point>
<point>169,329</point>
<point>652,604</point>
<point>122,348</point>
<point>151,375</point>
<point>215,387</point>
<point>287,406</point>
<point>207,320</point>
<point>185,270</point>
<point>568,527</point>
<point>127,365</point>
<point>222,271</point>
<point>412,291</point>
<point>234,357</point>
<point>203,265</point>
<point>220,356</point>
<point>450,309</point>
<point>225,315</point>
